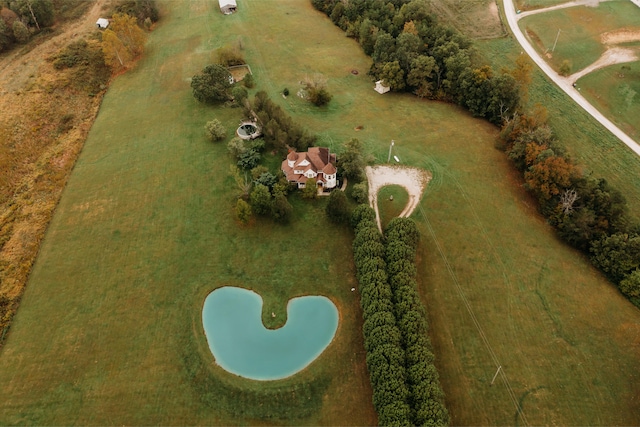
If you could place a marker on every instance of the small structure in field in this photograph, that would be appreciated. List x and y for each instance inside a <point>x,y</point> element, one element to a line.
<point>380,88</point>
<point>228,6</point>
<point>248,130</point>
<point>102,23</point>
<point>317,163</point>
<point>239,71</point>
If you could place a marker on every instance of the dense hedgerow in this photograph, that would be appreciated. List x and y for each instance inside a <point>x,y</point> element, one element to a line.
<point>426,397</point>
<point>385,356</point>
<point>406,390</point>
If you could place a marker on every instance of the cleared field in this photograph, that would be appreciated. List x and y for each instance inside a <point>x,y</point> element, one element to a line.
<point>581,29</point>
<point>615,90</point>
<point>475,18</point>
<point>109,328</point>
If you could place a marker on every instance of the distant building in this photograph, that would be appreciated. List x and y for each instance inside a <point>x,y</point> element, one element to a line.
<point>102,23</point>
<point>228,6</point>
<point>317,163</point>
<point>380,88</point>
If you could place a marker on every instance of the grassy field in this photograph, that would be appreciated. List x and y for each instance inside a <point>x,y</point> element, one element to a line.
<point>580,30</point>
<point>475,18</point>
<point>536,4</point>
<point>391,208</point>
<point>109,329</point>
<point>615,90</point>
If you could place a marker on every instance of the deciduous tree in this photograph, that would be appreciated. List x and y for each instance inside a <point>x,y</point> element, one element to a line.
<point>122,41</point>
<point>212,85</point>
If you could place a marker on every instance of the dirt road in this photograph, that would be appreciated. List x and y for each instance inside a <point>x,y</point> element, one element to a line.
<point>563,82</point>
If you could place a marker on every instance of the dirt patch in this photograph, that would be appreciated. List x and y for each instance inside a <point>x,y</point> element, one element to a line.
<point>414,180</point>
<point>624,35</point>
<point>238,72</point>
<point>612,56</point>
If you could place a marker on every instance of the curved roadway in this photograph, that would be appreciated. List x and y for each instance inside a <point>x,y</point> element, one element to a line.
<point>563,82</point>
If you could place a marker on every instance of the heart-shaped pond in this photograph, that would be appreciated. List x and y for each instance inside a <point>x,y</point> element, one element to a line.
<point>232,319</point>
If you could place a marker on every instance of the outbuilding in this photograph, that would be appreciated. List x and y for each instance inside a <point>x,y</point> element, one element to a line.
<point>380,88</point>
<point>102,23</point>
<point>228,6</point>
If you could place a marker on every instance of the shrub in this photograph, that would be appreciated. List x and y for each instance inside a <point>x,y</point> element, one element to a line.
<point>310,190</point>
<point>338,208</point>
<point>248,81</point>
<point>360,192</point>
<point>243,211</point>
<point>21,32</point>
<point>285,92</point>
<point>215,131</point>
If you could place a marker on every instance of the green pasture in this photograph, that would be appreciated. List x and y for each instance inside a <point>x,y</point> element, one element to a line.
<point>580,30</point>
<point>109,328</point>
<point>615,90</point>
<point>474,18</point>
<point>536,4</point>
<point>392,199</point>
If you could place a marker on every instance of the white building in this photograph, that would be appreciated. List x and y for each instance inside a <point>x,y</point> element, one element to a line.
<point>102,23</point>
<point>228,6</point>
<point>380,88</point>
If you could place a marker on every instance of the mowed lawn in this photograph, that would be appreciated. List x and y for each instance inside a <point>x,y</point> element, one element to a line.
<point>536,4</point>
<point>109,329</point>
<point>615,90</point>
<point>580,31</point>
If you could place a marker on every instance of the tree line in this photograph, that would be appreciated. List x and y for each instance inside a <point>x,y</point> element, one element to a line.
<point>587,212</point>
<point>413,52</point>
<point>406,390</point>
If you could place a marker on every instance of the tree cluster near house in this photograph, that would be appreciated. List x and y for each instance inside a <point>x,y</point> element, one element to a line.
<point>280,131</point>
<point>412,51</point>
<point>586,211</point>
<point>406,389</point>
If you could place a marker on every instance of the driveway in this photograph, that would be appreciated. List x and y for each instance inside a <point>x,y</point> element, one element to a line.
<point>563,82</point>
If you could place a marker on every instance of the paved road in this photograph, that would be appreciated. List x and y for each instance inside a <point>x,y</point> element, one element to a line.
<point>563,82</point>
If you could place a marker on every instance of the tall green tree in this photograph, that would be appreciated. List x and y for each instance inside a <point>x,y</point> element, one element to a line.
<point>338,208</point>
<point>212,85</point>
<point>351,161</point>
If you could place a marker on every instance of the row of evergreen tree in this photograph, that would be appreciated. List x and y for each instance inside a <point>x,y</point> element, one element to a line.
<point>406,390</point>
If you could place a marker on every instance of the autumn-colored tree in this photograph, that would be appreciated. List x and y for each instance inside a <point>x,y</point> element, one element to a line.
<point>522,74</point>
<point>550,177</point>
<point>123,41</point>
<point>410,27</point>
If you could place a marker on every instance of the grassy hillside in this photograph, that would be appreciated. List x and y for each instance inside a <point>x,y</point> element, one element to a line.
<point>580,31</point>
<point>109,329</point>
<point>616,90</point>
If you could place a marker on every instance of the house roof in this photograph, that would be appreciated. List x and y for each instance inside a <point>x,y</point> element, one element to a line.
<point>320,160</point>
<point>102,22</point>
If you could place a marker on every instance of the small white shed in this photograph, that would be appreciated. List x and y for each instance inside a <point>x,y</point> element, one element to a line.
<point>228,6</point>
<point>102,23</point>
<point>380,88</point>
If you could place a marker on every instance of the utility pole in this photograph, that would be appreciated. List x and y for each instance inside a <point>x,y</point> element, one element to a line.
<point>554,43</point>
<point>494,377</point>
<point>390,147</point>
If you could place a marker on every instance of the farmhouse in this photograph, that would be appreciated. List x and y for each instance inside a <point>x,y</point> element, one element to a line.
<point>228,6</point>
<point>316,163</point>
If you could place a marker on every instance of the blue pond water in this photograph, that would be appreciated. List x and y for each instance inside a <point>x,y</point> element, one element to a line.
<point>232,319</point>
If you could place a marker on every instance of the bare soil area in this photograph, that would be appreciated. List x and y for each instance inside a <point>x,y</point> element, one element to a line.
<point>624,35</point>
<point>414,180</point>
<point>612,56</point>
